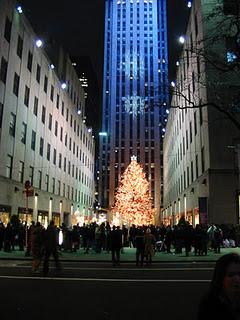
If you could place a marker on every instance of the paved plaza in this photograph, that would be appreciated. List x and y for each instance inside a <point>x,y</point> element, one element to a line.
<point>128,255</point>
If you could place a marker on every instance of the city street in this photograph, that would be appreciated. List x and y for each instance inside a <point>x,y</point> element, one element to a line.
<point>99,291</point>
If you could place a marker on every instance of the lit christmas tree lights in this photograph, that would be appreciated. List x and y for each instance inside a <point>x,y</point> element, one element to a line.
<point>132,201</point>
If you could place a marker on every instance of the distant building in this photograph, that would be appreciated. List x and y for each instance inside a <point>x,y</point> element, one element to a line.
<point>135,95</point>
<point>88,79</point>
<point>84,82</point>
<point>43,135</point>
<point>201,144</point>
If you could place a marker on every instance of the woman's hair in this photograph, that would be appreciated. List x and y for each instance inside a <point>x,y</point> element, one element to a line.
<point>221,269</point>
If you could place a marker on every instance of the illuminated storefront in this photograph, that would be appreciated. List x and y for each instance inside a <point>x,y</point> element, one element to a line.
<point>25,216</point>
<point>196,216</point>
<point>5,213</point>
<point>56,218</point>
<point>43,218</point>
<point>189,216</point>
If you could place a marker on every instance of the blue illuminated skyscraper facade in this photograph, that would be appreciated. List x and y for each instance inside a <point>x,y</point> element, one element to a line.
<point>135,94</point>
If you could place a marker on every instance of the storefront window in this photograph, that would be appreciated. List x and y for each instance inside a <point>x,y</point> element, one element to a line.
<point>196,216</point>
<point>4,217</point>
<point>43,219</point>
<point>189,217</point>
<point>23,217</point>
<point>56,219</point>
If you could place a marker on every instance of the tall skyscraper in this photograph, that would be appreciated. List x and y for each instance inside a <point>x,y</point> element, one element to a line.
<point>135,95</point>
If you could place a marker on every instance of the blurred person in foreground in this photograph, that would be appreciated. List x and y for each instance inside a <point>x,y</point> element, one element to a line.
<point>51,248</point>
<point>223,298</point>
<point>37,246</point>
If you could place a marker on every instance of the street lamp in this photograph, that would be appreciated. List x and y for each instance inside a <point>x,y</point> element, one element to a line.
<point>39,43</point>
<point>181,39</point>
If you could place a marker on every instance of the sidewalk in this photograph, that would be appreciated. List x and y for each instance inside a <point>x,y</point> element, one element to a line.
<point>127,256</point>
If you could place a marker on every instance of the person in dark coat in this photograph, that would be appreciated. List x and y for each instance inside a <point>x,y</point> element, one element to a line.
<point>204,241</point>
<point>125,236</point>
<point>178,234</point>
<point>108,237</point>
<point>8,234</point>
<point>132,235</point>
<point>222,302</point>
<point>86,239</point>
<point>30,233</point>
<point>2,230</point>
<point>75,239</point>
<point>198,235</point>
<point>168,238</point>
<point>21,237</point>
<point>37,246</point>
<point>188,237</point>
<point>51,247</point>
<point>116,244</point>
<point>140,246</point>
<point>218,238</point>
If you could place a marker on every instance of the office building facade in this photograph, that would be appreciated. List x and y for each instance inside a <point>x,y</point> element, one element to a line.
<point>44,138</point>
<point>202,140</point>
<point>135,95</point>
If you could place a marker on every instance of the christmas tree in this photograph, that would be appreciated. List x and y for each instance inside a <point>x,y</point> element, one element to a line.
<point>132,201</point>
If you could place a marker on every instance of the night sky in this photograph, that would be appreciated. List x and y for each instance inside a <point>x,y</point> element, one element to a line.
<point>79,27</point>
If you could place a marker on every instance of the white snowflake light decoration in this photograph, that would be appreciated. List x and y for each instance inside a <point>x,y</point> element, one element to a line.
<point>134,104</point>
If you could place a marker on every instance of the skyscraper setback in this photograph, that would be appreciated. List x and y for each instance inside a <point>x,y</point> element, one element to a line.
<point>135,95</point>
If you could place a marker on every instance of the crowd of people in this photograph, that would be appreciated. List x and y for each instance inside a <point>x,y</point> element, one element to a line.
<point>181,238</point>
<point>167,239</point>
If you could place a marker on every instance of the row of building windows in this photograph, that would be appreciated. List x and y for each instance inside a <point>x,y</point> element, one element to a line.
<point>80,176</point>
<point>123,36</point>
<point>187,177</point>
<point>123,26</point>
<point>79,188</point>
<point>193,126</point>
<point>123,5</point>
<point>148,157</point>
<point>73,123</point>
<point>182,151</point>
<point>190,55</point>
<point>12,129</point>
